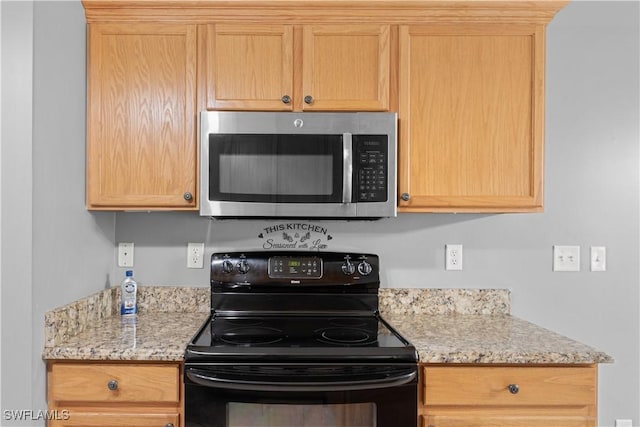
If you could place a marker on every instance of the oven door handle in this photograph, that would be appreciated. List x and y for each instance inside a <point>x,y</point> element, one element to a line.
<point>200,378</point>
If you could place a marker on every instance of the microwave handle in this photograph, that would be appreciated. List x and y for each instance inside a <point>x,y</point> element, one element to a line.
<point>347,167</point>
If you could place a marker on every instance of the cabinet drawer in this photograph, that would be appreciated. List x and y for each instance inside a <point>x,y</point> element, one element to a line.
<point>490,385</point>
<point>106,419</point>
<point>113,383</point>
<point>506,420</point>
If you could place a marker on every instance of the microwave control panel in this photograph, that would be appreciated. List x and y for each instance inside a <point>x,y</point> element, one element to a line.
<point>371,158</point>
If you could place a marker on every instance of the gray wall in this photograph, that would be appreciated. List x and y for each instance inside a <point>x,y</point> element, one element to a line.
<point>592,198</point>
<point>54,251</point>
<point>16,202</point>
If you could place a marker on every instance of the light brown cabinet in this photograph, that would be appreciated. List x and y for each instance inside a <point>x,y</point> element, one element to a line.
<point>249,67</point>
<point>115,394</point>
<point>508,396</point>
<point>297,67</point>
<point>471,113</point>
<point>466,77</point>
<point>141,145</point>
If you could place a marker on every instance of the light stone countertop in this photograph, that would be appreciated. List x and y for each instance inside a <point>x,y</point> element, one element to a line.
<point>155,336</point>
<point>445,326</point>
<point>480,338</point>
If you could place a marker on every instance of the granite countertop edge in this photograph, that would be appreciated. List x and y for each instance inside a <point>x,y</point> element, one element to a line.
<point>521,343</point>
<point>446,326</point>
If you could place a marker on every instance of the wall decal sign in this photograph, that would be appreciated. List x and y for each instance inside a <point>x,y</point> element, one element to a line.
<point>295,235</point>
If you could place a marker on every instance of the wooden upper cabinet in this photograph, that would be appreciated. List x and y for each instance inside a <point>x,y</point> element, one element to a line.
<point>466,78</point>
<point>296,68</point>
<point>471,117</point>
<point>249,67</point>
<point>346,67</point>
<point>141,151</point>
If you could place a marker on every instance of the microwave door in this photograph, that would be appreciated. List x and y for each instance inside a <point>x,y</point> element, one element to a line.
<point>280,175</point>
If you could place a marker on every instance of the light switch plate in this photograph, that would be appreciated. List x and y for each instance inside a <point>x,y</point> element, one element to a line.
<point>566,258</point>
<point>598,258</point>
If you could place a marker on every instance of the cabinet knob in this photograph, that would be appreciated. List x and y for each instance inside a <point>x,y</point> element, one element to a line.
<point>308,99</point>
<point>514,388</point>
<point>188,196</point>
<point>286,99</point>
<point>113,385</point>
<point>406,197</point>
<point>169,425</point>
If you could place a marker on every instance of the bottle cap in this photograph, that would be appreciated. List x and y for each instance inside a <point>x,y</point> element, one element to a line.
<point>129,273</point>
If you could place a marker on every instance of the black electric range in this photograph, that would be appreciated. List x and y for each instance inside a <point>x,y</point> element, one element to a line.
<point>298,328</point>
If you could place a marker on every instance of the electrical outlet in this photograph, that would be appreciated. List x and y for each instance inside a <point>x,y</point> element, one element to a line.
<point>125,254</point>
<point>598,258</point>
<point>566,258</point>
<point>453,257</point>
<point>624,423</point>
<point>195,255</point>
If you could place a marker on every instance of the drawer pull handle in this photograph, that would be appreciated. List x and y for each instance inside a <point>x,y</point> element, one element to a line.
<point>514,388</point>
<point>113,385</point>
<point>169,425</point>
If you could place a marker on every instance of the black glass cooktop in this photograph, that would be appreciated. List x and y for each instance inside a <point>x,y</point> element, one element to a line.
<point>299,336</point>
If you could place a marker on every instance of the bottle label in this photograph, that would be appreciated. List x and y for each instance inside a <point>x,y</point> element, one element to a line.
<point>128,308</point>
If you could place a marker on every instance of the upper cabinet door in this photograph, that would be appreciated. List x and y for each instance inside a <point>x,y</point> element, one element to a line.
<point>346,67</point>
<point>249,67</point>
<point>471,118</point>
<point>296,68</point>
<point>141,151</point>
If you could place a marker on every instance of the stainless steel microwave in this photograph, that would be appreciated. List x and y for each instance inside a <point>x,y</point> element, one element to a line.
<point>274,164</point>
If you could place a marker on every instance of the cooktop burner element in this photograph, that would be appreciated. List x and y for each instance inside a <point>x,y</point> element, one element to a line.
<point>345,336</point>
<point>252,335</point>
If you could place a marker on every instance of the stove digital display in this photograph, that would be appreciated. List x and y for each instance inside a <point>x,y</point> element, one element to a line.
<point>295,267</point>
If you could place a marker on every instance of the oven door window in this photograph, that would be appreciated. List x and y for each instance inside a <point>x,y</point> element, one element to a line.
<point>276,168</point>
<point>280,415</point>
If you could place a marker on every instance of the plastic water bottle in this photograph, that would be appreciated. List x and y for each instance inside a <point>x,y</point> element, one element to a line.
<point>129,305</point>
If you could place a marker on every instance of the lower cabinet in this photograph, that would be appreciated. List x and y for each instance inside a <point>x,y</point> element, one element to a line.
<point>145,394</point>
<point>508,396</point>
<point>109,394</point>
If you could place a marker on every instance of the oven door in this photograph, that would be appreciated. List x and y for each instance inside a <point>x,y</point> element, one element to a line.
<point>309,395</point>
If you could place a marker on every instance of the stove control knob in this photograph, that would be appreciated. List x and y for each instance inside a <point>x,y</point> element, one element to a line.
<point>243,266</point>
<point>364,268</point>
<point>227,266</point>
<point>348,267</point>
